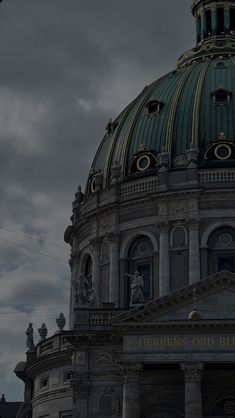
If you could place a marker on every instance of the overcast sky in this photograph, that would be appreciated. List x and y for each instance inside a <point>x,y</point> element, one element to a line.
<point>67,66</point>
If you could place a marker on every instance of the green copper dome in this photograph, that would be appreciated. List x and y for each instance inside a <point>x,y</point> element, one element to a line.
<point>191,107</point>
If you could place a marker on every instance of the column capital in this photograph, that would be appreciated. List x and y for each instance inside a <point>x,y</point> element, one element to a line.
<point>192,372</point>
<point>96,243</point>
<point>113,237</point>
<point>194,224</point>
<point>131,372</point>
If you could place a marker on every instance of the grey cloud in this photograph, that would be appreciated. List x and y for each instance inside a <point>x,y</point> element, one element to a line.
<point>66,67</point>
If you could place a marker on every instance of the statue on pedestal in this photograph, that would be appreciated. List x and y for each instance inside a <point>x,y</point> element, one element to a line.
<point>84,292</point>
<point>137,287</point>
<point>29,341</point>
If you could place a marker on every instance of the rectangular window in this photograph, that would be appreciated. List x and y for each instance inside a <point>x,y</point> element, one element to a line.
<point>44,383</point>
<point>67,376</point>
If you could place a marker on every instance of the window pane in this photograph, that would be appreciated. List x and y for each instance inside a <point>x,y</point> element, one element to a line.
<point>145,270</point>
<point>226,263</point>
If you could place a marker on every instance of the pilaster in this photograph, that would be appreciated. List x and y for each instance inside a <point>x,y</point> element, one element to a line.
<point>113,239</point>
<point>194,252</point>
<point>96,245</point>
<point>164,260</point>
<point>131,390</point>
<point>80,387</point>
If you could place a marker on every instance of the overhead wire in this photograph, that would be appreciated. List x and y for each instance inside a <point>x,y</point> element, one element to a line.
<point>35,238</point>
<point>33,250</point>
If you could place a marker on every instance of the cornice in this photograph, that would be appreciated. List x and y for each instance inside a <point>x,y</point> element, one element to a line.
<point>86,338</point>
<point>185,325</point>
<point>50,395</point>
<point>54,359</point>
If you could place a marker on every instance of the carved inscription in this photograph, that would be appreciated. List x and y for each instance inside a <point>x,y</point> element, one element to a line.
<point>179,343</point>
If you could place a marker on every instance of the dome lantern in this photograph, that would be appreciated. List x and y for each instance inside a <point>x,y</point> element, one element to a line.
<point>215,20</point>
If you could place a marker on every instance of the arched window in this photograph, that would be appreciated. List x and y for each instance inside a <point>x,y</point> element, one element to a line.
<point>88,266</point>
<point>224,407</point>
<point>105,272</point>
<point>221,245</point>
<point>220,21</point>
<point>232,21</point>
<point>141,259</point>
<point>208,23</point>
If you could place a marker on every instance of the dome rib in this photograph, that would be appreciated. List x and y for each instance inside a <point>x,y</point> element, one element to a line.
<point>174,106</point>
<point>121,156</point>
<point>197,104</point>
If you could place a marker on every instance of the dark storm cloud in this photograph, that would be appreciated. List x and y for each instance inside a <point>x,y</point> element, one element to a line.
<point>66,67</point>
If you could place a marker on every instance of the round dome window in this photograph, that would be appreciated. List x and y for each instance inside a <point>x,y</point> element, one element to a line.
<point>143,162</point>
<point>223,152</point>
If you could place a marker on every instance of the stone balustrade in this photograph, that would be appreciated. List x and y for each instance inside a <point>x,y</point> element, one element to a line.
<point>215,176</point>
<point>139,186</point>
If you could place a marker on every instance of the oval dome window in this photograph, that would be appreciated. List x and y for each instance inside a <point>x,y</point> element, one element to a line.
<point>143,162</point>
<point>223,152</point>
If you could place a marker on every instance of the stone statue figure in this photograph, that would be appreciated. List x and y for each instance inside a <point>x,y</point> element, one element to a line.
<point>137,287</point>
<point>29,341</point>
<point>83,292</point>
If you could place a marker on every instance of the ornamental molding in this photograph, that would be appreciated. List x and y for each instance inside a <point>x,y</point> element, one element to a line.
<point>108,403</point>
<point>218,194</point>
<point>131,372</point>
<point>112,237</point>
<point>104,357</point>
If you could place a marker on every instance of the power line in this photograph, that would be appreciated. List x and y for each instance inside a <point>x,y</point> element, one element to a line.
<point>21,234</point>
<point>33,250</point>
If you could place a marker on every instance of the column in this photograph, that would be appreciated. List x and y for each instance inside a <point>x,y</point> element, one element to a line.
<point>164,262</point>
<point>131,391</point>
<point>203,26</point>
<point>214,21</point>
<point>193,392</point>
<point>114,269</point>
<point>194,253</point>
<point>96,243</point>
<point>80,389</point>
